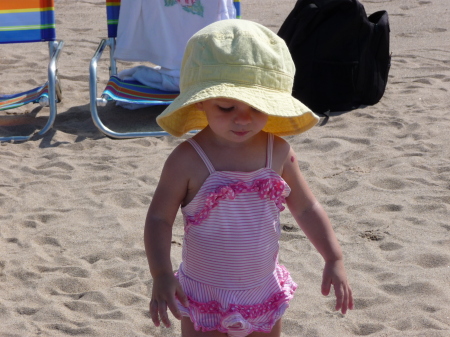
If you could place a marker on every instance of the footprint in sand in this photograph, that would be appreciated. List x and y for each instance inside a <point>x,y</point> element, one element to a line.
<point>98,298</point>
<point>429,308</point>
<point>44,217</point>
<point>386,277</point>
<point>47,240</point>
<point>416,324</point>
<point>56,164</point>
<point>128,298</point>
<point>433,261</point>
<point>416,289</point>
<point>388,208</point>
<point>437,30</point>
<point>26,311</point>
<point>71,285</point>
<point>29,224</point>
<point>129,200</point>
<point>336,186</point>
<point>390,246</point>
<point>367,329</point>
<point>389,184</point>
<point>357,141</point>
<point>116,315</point>
<point>86,308</point>
<point>71,271</point>
<point>25,276</point>
<point>66,329</point>
<point>335,202</point>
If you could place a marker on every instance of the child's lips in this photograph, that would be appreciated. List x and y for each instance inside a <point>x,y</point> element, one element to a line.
<point>240,133</point>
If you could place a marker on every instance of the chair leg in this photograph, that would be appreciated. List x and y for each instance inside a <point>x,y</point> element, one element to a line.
<point>52,86</point>
<point>93,100</point>
<point>54,92</point>
<point>58,89</point>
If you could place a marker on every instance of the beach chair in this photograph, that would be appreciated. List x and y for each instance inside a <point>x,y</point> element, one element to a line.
<point>32,21</point>
<point>119,90</point>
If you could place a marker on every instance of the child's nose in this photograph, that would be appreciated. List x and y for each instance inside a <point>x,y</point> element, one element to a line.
<point>243,117</point>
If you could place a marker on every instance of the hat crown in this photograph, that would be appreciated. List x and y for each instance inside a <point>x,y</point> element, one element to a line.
<point>240,60</point>
<point>238,52</point>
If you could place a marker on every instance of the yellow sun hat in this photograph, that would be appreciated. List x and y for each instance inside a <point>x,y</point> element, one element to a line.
<point>241,60</point>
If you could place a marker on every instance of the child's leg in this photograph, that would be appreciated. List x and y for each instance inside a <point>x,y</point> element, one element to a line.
<point>276,331</point>
<point>188,330</point>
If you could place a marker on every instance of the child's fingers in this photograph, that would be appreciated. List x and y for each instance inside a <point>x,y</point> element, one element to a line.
<point>344,298</point>
<point>162,310</point>
<point>350,298</point>
<point>340,296</point>
<point>182,297</point>
<point>326,286</point>
<point>154,312</point>
<point>158,313</point>
<point>344,304</point>
<point>174,308</point>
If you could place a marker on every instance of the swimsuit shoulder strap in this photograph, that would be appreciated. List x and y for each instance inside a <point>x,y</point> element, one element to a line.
<point>269,150</point>
<point>202,155</point>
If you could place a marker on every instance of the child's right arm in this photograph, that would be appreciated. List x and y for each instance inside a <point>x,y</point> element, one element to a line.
<point>166,200</point>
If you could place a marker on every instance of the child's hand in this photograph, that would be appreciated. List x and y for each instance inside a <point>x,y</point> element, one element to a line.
<point>165,290</point>
<point>334,274</point>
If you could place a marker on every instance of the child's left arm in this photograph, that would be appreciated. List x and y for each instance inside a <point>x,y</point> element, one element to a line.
<point>314,222</point>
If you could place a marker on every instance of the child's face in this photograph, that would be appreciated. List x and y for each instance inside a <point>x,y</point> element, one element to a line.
<point>232,119</point>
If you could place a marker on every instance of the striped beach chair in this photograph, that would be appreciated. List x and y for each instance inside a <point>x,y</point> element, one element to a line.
<point>124,90</point>
<point>23,21</point>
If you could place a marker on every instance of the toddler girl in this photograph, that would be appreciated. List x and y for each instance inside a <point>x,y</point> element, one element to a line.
<point>232,180</point>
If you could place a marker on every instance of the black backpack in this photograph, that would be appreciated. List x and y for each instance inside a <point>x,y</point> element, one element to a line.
<point>341,56</point>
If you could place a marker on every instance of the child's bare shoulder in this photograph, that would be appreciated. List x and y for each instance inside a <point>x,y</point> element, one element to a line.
<point>281,151</point>
<point>279,144</point>
<point>184,161</point>
<point>181,155</point>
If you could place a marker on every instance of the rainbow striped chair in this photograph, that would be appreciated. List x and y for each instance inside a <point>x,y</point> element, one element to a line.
<point>124,90</point>
<point>32,21</point>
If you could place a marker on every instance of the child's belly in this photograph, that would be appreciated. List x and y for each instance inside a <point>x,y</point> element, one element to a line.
<point>233,249</point>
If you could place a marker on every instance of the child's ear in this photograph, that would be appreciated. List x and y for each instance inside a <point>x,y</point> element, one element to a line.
<point>199,106</point>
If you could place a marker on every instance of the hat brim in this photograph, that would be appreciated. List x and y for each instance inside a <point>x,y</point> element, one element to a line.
<point>287,115</point>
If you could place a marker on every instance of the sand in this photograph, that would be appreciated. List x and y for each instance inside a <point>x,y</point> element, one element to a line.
<point>73,202</point>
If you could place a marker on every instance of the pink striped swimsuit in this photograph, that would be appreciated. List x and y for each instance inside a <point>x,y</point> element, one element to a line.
<point>230,269</point>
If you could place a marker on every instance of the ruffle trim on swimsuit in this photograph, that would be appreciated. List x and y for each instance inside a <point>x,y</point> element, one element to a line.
<point>246,311</point>
<point>270,188</point>
<point>243,319</point>
<point>235,321</point>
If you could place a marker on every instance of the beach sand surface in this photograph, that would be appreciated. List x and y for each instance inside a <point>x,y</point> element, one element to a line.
<point>73,202</point>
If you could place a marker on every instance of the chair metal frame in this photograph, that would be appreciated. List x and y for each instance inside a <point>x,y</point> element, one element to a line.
<point>95,101</point>
<point>102,101</point>
<point>54,89</point>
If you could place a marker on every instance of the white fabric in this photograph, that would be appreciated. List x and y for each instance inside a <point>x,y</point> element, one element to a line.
<point>155,77</point>
<point>158,30</point>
